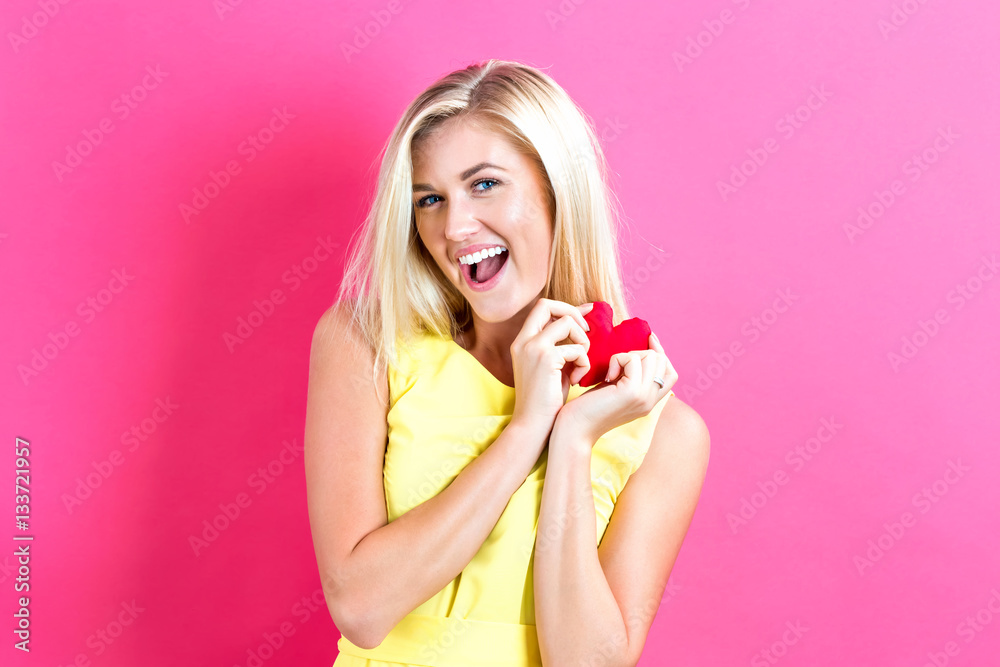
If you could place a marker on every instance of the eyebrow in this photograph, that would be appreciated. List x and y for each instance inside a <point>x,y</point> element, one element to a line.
<point>424,187</point>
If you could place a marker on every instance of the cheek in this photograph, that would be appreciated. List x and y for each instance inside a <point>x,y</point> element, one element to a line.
<point>425,232</point>
<point>528,210</point>
<point>418,224</point>
<point>426,249</point>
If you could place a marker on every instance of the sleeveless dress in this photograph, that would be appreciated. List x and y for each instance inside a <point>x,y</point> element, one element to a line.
<point>445,408</point>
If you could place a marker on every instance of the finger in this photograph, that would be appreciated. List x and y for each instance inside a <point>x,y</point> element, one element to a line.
<point>621,364</point>
<point>613,368</point>
<point>669,375</point>
<point>582,310</point>
<point>563,328</point>
<point>582,366</point>
<point>576,355</point>
<point>637,368</point>
<point>546,310</point>
<point>666,373</point>
<point>540,315</point>
<point>651,369</point>
<point>654,343</point>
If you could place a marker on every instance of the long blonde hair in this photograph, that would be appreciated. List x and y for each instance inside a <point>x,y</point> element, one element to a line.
<point>392,285</point>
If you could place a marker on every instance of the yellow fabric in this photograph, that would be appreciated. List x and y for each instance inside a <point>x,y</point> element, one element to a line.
<point>445,408</point>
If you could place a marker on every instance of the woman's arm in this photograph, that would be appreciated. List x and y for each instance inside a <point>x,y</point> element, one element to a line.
<point>596,605</point>
<point>374,572</point>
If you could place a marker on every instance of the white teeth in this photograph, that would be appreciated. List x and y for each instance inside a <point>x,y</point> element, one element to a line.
<point>477,257</point>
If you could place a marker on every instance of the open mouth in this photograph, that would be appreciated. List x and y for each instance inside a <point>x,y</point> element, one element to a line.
<point>481,268</point>
<point>487,268</point>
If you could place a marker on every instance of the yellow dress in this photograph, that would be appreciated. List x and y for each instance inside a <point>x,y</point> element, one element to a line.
<point>445,408</point>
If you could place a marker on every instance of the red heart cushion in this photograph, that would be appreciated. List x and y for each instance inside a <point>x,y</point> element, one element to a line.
<point>605,341</point>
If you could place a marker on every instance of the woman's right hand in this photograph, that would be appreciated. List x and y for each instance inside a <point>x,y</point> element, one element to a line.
<point>541,381</point>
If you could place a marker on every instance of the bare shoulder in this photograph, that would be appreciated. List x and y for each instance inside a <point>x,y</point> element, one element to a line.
<point>336,330</point>
<point>334,327</point>
<point>340,350</point>
<point>344,396</point>
<point>680,428</point>
<point>679,451</point>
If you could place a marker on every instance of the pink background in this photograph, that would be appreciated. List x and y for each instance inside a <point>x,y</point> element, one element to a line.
<point>673,129</point>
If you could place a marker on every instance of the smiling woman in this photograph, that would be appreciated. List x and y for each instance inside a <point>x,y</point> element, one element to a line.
<point>461,482</point>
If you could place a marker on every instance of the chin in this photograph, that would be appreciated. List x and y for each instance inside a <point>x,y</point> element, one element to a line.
<point>494,312</point>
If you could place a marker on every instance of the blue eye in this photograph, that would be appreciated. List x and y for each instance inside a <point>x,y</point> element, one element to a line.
<point>485,180</point>
<point>423,201</point>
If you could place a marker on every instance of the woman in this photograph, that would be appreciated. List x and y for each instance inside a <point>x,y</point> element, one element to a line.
<point>443,393</point>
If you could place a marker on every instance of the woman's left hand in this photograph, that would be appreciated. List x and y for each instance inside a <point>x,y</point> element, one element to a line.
<point>628,394</point>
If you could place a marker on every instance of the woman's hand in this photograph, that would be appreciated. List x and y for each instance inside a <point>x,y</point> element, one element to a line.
<point>544,370</point>
<point>629,393</point>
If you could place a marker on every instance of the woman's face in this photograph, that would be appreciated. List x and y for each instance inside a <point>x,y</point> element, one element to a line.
<point>473,192</point>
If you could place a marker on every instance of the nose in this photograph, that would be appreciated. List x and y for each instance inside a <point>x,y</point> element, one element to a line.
<point>460,220</point>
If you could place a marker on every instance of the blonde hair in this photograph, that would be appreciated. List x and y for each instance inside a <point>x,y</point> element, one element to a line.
<point>392,285</point>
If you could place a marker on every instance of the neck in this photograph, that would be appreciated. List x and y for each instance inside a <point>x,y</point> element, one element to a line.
<point>492,340</point>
